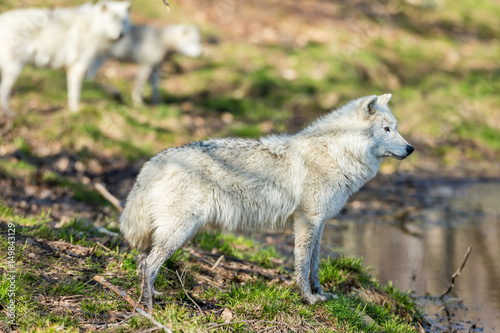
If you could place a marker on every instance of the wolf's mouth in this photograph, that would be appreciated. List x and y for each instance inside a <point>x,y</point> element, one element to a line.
<point>398,157</point>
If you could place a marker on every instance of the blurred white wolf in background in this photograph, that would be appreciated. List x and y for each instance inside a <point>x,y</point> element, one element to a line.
<point>149,46</point>
<point>58,38</point>
<point>298,181</point>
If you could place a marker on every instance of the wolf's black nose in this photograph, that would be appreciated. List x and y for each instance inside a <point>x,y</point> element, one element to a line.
<point>409,149</point>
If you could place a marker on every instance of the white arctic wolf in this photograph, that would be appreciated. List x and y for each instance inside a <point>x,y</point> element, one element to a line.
<point>59,38</point>
<point>298,180</point>
<point>149,46</point>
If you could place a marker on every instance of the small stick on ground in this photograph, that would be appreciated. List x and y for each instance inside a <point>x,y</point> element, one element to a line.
<point>139,308</point>
<point>104,247</point>
<point>217,262</point>
<point>185,292</point>
<point>108,196</point>
<point>142,274</point>
<point>456,274</point>
<point>211,326</point>
<point>105,231</point>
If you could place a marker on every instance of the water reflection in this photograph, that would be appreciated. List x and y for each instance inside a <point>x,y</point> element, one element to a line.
<point>465,215</point>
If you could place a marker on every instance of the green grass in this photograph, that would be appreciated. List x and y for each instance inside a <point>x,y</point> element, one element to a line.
<point>481,133</point>
<point>46,277</point>
<point>332,271</point>
<point>236,246</point>
<point>16,169</point>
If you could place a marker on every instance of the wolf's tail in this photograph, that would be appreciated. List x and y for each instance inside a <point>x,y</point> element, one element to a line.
<point>135,224</point>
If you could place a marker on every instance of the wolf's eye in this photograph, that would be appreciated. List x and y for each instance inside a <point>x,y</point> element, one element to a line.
<point>387,129</point>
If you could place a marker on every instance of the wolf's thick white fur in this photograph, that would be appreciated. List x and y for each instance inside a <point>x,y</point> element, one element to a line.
<point>58,38</point>
<point>149,46</point>
<point>299,180</point>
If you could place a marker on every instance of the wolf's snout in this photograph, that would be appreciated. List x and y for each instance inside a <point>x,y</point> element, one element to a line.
<point>409,150</point>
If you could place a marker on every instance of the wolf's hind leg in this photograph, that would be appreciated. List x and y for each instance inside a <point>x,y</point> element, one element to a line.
<point>150,268</point>
<point>172,236</point>
<point>155,81</point>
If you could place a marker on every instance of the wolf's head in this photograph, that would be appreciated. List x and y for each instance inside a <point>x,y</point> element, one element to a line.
<point>113,18</point>
<point>383,129</point>
<point>183,39</point>
<point>363,129</point>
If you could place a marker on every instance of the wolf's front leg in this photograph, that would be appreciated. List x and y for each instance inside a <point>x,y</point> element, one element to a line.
<point>140,82</point>
<point>74,78</point>
<point>314,271</point>
<point>10,73</point>
<point>305,234</point>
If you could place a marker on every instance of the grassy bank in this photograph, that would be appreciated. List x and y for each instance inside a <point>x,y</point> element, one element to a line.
<point>217,282</point>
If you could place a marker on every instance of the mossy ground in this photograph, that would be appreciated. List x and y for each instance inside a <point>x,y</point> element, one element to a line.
<point>248,290</point>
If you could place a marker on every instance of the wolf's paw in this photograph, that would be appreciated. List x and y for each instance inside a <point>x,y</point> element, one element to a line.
<point>157,293</point>
<point>329,296</point>
<point>318,298</point>
<point>145,296</point>
<point>314,299</point>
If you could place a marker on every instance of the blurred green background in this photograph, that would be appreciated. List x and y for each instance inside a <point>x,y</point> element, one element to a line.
<point>272,67</point>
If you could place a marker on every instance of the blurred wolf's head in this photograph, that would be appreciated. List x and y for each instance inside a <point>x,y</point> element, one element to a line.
<point>183,39</point>
<point>112,18</point>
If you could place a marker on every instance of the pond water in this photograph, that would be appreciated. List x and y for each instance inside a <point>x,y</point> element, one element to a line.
<point>422,247</point>
<point>415,233</point>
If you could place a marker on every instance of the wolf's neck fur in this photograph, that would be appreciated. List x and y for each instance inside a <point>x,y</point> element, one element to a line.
<point>340,148</point>
<point>335,122</point>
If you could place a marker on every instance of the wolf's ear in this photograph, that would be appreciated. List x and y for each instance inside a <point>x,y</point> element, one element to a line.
<point>384,99</point>
<point>369,103</point>
<point>104,7</point>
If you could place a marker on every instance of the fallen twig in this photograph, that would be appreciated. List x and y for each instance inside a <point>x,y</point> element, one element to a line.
<point>141,271</point>
<point>108,196</point>
<point>217,262</point>
<point>213,325</point>
<point>267,329</point>
<point>227,257</point>
<point>104,247</point>
<point>139,308</point>
<point>185,292</point>
<point>116,290</point>
<point>122,322</point>
<point>210,281</point>
<point>103,230</point>
<point>255,268</point>
<point>457,273</point>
